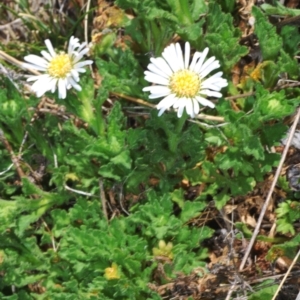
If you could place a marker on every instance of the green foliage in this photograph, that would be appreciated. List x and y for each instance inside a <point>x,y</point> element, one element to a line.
<point>290,40</point>
<point>288,249</point>
<point>85,245</point>
<point>244,161</point>
<point>57,241</point>
<point>265,290</point>
<point>222,37</point>
<point>288,212</point>
<point>227,5</point>
<point>124,80</point>
<point>155,22</point>
<point>280,9</point>
<point>270,43</point>
<point>279,46</point>
<point>179,148</point>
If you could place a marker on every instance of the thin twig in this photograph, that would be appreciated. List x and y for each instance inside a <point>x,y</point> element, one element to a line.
<point>145,103</point>
<point>274,277</point>
<point>135,100</point>
<point>86,18</point>
<point>8,75</point>
<point>286,275</point>
<point>103,198</point>
<point>230,291</point>
<point>210,118</point>
<point>121,197</point>
<point>55,248</point>
<point>266,204</point>
<point>9,167</point>
<point>16,62</point>
<point>10,24</point>
<point>207,125</point>
<point>13,157</point>
<point>239,96</point>
<point>78,191</point>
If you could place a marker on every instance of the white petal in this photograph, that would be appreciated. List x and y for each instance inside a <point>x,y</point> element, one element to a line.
<point>161,64</point>
<point>196,106</point>
<point>41,86</point>
<point>80,70</point>
<point>210,86</point>
<point>36,60</point>
<point>75,75</point>
<point>50,48</point>
<point>200,61</point>
<point>181,105</point>
<point>33,78</point>
<point>34,67</point>
<point>155,96</point>
<point>205,70</point>
<point>46,55</point>
<point>170,55</point>
<point>219,81</point>
<point>216,76</point>
<point>222,83</point>
<point>82,46</point>
<point>155,70</point>
<point>187,51</point>
<point>78,56</point>
<point>179,56</point>
<point>73,43</point>
<point>62,90</point>
<point>211,93</point>
<point>213,79</point>
<point>161,111</point>
<point>41,91</point>
<point>189,107</point>
<point>214,83</point>
<point>180,102</point>
<point>147,88</point>
<point>74,84</point>
<point>151,77</point>
<point>43,77</point>
<point>155,89</point>
<point>196,56</point>
<point>207,63</point>
<point>167,102</point>
<point>204,102</point>
<point>83,63</point>
<point>70,43</point>
<point>52,84</point>
<point>82,51</point>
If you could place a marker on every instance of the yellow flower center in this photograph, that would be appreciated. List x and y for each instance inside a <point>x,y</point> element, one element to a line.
<point>60,66</point>
<point>185,83</point>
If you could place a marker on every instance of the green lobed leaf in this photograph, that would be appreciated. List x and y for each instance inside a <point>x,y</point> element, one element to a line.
<point>269,41</point>
<point>222,38</point>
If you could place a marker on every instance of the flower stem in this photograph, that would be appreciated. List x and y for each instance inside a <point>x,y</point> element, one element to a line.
<point>175,137</point>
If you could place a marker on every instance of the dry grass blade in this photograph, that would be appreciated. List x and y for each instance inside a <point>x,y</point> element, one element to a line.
<point>145,103</point>
<point>286,275</point>
<point>16,62</point>
<point>266,204</point>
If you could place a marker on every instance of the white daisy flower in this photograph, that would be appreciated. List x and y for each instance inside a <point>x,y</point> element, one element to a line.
<point>181,83</point>
<point>61,69</point>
